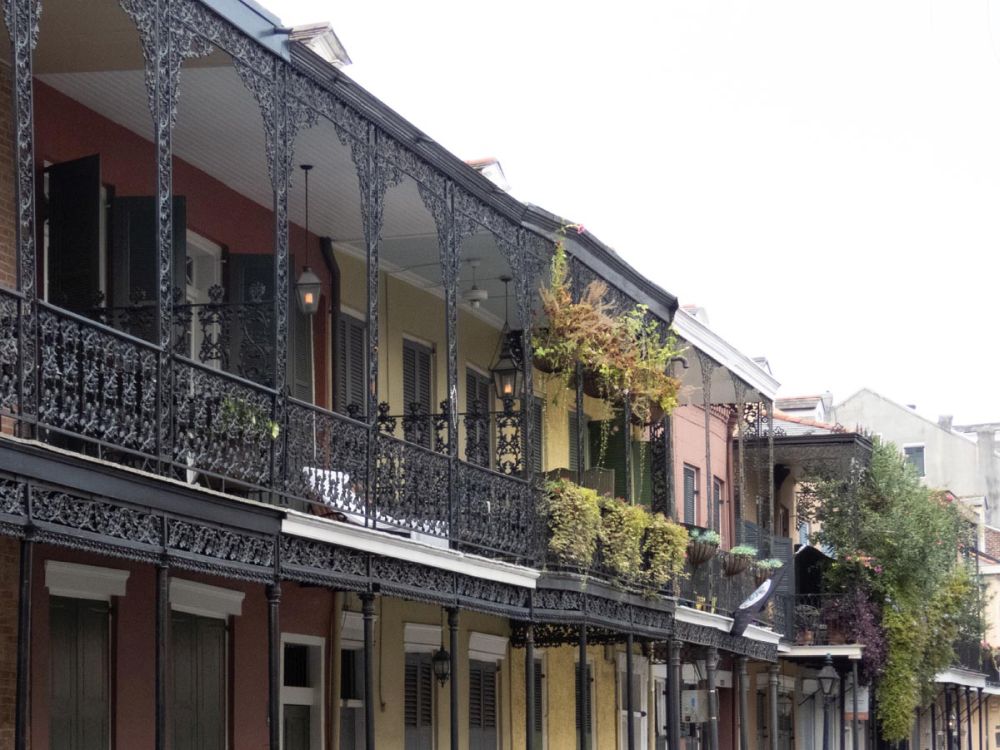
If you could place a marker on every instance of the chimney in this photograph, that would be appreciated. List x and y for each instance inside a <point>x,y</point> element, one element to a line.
<point>944,421</point>
<point>911,407</point>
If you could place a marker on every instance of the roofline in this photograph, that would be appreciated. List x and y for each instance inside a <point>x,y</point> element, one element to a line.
<point>709,342</point>
<point>606,263</point>
<point>831,437</point>
<point>904,408</point>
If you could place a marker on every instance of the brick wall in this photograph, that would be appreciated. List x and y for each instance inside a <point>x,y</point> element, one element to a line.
<point>8,254</point>
<point>9,567</point>
<point>992,542</point>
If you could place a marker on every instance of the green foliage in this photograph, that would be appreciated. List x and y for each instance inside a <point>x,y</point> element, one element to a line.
<point>770,564</point>
<point>574,515</point>
<point>705,536</point>
<point>622,529</point>
<point>900,541</point>
<point>664,548</point>
<point>743,550</point>
<point>253,421</point>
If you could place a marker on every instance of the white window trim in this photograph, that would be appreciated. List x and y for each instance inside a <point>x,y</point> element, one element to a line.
<point>486,647</point>
<point>311,696</point>
<point>426,343</point>
<point>904,446</point>
<point>350,312</point>
<point>420,638</point>
<point>206,601</point>
<point>77,581</point>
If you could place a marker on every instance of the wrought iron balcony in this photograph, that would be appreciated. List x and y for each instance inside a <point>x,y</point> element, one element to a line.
<point>818,619</point>
<point>82,385</point>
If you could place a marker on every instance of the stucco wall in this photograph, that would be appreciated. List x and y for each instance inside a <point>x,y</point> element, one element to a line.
<point>689,448</point>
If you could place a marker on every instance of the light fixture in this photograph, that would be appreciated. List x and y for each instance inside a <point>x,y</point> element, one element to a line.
<point>475,296</point>
<point>785,704</point>
<point>441,661</point>
<point>505,369</point>
<point>827,677</point>
<point>307,288</point>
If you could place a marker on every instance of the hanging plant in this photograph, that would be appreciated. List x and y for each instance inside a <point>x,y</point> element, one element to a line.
<point>703,545</point>
<point>738,559</point>
<point>624,357</point>
<point>764,569</point>
<point>622,529</point>
<point>664,547</point>
<point>574,519</point>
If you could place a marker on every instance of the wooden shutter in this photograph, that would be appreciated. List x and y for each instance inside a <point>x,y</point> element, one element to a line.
<point>74,216</point>
<point>418,710</point>
<point>642,473</point>
<point>251,340</point>
<point>690,494</point>
<point>482,705</point>
<point>574,452</point>
<point>717,503</point>
<point>351,354</point>
<point>538,433</point>
<point>584,707</point>
<point>296,729</point>
<point>477,400</point>
<point>79,681</point>
<point>781,549</point>
<point>300,346</point>
<point>199,682</point>
<point>417,384</point>
<point>539,702</point>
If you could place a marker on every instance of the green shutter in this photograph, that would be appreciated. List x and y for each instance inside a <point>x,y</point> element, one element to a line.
<point>690,495</point>
<point>198,709</point>
<point>614,450</point>
<point>74,218</point>
<point>574,452</point>
<point>539,703</point>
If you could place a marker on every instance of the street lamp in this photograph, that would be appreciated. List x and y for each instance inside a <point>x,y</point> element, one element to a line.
<point>441,661</point>
<point>827,682</point>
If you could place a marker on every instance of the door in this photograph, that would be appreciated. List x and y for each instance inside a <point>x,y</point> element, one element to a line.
<point>73,249</point>
<point>198,709</point>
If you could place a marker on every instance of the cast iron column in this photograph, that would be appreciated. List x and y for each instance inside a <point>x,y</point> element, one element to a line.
<point>368,622</point>
<point>674,692</point>
<point>529,687</point>
<point>274,666</point>
<point>772,684</point>
<point>933,724</point>
<point>583,704</point>
<point>841,704</point>
<point>968,715</point>
<point>24,646</point>
<point>453,643</point>
<point>854,706</point>
<point>162,652</point>
<point>629,698</point>
<point>949,729</point>
<point>711,662</point>
<point>979,712</point>
<point>744,679</point>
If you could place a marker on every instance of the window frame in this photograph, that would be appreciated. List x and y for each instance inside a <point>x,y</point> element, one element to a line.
<point>696,492</point>
<point>922,472</point>
<point>312,696</point>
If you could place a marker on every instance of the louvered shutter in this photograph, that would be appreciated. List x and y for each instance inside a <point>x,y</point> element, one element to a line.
<point>417,385</point>
<point>199,669</point>
<point>690,490</point>
<point>611,435</point>
<point>418,708</point>
<point>539,702</point>
<point>537,433</point>
<point>79,687</point>
<point>574,450</point>
<point>584,712</point>
<point>74,238</point>
<point>781,549</point>
<point>351,352</point>
<point>477,401</point>
<point>482,705</point>
<point>642,473</point>
<point>300,348</point>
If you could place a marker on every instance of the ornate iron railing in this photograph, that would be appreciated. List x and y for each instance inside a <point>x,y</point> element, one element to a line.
<point>104,392</point>
<point>818,619</point>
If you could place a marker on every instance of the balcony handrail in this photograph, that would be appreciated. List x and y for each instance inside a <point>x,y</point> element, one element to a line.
<point>102,327</point>
<point>224,374</point>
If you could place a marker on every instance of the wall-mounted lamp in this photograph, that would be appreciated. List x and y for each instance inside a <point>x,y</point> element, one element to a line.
<point>441,661</point>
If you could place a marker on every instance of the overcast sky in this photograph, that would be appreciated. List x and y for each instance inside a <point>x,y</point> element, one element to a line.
<point>823,178</point>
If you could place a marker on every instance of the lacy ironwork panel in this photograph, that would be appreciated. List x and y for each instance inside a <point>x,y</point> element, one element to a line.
<point>496,512</point>
<point>326,458</point>
<point>322,557</point>
<point>410,581</point>
<point>505,596</point>
<point>97,383</point>
<point>105,519</point>
<point>706,636</point>
<point>220,543</point>
<point>10,376</point>
<point>12,493</point>
<point>223,426</point>
<point>411,487</point>
<point>653,621</point>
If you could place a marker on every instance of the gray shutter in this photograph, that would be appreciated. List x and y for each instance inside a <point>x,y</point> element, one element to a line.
<point>79,683</point>
<point>351,352</point>
<point>296,734</point>
<point>251,340</point>
<point>482,706</point>
<point>781,549</point>
<point>199,682</point>
<point>477,398</point>
<point>690,489</point>
<point>417,385</point>
<point>74,216</point>
<point>574,452</point>
<point>418,707</point>
<point>300,347</point>
<point>717,504</point>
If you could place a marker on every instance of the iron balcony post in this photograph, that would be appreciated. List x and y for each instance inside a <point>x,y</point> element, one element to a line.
<point>454,683</point>
<point>22,710</point>
<point>674,692</point>
<point>368,617</point>
<point>629,698</point>
<point>711,663</point>
<point>529,687</point>
<point>274,665</point>
<point>744,679</point>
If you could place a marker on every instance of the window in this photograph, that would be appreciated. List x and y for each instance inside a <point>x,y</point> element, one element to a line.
<point>660,716</point>
<point>417,390</point>
<point>640,701</point>
<point>915,456</point>
<point>352,352</point>
<point>352,699</point>
<point>301,692</point>
<point>478,400</point>
<point>717,495</point>
<point>198,710</point>
<point>419,702</point>
<point>79,684</point>
<point>482,705</point>
<point>690,494</point>
<point>584,705</point>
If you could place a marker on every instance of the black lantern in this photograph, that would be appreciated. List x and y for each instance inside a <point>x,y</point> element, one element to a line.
<point>308,285</point>
<point>506,370</point>
<point>441,661</point>
<point>828,677</point>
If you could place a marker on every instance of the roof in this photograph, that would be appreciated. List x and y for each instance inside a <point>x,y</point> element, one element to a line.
<point>793,425</point>
<point>798,402</point>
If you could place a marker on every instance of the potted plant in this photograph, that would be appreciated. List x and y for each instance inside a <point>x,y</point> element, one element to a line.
<point>738,559</point>
<point>663,547</point>
<point>622,528</point>
<point>764,569</point>
<point>574,520</point>
<point>703,545</point>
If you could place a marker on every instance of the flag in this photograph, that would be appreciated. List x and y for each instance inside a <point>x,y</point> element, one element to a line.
<point>756,602</point>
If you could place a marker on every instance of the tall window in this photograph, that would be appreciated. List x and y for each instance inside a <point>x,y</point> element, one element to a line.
<point>584,705</point>
<point>717,494</point>
<point>640,701</point>
<point>690,494</point>
<point>482,705</point>
<point>417,390</point>
<point>478,399</point>
<point>915,456</point>
<point>418,713</point>
<point>302,692</point>
<point>199,682</point>
<point>352,350</point>
<point>352,699</point>
<point>79,684</point>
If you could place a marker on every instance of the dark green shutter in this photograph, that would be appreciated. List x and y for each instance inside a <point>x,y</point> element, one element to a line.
<point>614,450</point>
<point>297,729</point>
<point>537,433</point>
<point>690,494</point>
<point>198,710</point>
<point>717,503</point>
<point>79,680</point>
<point>642,473</point>
<point>539,702</point>
<point>417,384</point>
<point>482,705</point>
<point>300,347</point>
<point>418,711</point>
<point>351,354</point>
<point>74,216</point>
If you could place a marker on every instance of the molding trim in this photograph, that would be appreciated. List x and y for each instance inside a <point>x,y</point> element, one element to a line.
<point>486,647</point>
<point>964,677</point>
<point>84,581</point>
<point>420,638</point>
<point>851,651</point>
<point>204,600</point>
<point>352,629</point>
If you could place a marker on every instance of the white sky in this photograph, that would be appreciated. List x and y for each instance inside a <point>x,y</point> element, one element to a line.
<point>824,178</point>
